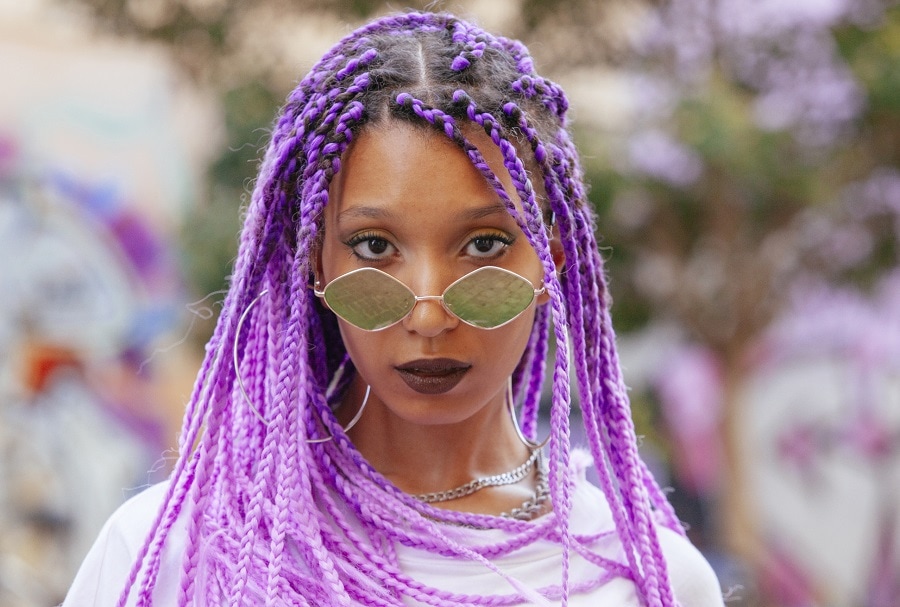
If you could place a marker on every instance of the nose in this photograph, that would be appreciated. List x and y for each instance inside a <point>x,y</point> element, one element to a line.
<point>428,317</point>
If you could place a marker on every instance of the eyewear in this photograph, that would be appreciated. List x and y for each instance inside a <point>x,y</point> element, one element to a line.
<point>487,298</point>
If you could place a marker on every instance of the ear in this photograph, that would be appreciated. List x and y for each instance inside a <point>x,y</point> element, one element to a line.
<point>559,259</point>
<point>315,266</point>
<point>556,248</point>
<point>316,278</point>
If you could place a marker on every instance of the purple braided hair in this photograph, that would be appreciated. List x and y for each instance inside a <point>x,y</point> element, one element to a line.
<point>274,517</point>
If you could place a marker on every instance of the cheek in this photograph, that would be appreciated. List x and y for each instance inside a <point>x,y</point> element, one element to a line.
<point>508,347</point>
<point>354,343</point>
<point>367,350</point>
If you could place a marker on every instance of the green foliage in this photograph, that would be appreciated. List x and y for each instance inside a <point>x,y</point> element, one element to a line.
<point>209,234</point>
<point>733,240</point>
<point>874,54</point>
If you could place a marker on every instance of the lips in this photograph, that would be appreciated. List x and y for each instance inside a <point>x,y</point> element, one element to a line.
<point>432,375</point>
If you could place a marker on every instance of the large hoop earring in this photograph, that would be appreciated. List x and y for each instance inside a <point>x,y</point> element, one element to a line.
<point>237,371</point>
<point>511,407</point>
<point>243,390</point>
<point>362,407</point>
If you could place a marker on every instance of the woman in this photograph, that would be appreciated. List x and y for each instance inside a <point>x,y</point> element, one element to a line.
<point>418,228</point>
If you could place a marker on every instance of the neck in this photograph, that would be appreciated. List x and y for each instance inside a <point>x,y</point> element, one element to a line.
<point>424,458</point>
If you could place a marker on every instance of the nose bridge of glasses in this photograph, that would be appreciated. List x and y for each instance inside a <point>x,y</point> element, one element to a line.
<point>433,316</point>
<point>437,299</point>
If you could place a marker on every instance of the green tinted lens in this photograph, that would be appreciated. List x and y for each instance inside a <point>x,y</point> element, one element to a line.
<point>369,299</point>
<point>489,297</point>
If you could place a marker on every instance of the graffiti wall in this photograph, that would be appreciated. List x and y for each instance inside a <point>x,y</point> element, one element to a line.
<point>100,149</point>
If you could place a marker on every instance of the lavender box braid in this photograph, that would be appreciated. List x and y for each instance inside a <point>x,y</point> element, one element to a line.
<point>275,519</point>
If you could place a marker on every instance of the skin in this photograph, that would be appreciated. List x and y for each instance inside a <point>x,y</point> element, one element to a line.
<point>407,201</point>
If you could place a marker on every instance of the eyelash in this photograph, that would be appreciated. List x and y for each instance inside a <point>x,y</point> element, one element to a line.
<point>500,237</point>
<point>505,239</point>
<point>358,239</point>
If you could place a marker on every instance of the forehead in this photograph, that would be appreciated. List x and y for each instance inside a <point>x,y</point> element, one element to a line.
<point>397,163</point>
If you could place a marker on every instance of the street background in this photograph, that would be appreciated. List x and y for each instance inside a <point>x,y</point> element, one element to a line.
<point>744,162</point>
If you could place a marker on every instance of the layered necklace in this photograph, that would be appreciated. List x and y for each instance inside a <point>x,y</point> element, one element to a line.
<point>527,511</point>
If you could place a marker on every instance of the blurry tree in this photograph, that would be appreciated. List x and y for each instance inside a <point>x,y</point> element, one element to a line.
<point>768,154</point>
<point>207,34</point>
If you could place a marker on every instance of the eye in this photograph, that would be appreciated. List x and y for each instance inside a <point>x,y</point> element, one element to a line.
<point>488,246</point>
<point>370,247</point>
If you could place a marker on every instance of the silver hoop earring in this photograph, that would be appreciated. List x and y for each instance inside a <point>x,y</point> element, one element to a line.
<point>511,407</point>
<point>362,407</point>
<point>237,373</point>
<point>242,388</point>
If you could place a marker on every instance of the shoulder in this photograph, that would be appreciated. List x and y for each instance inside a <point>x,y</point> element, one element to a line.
<point>127,528</point>
<point>692,577</point>
<point>132,520</point>
<point>693,580</point>
<point>105,569</point>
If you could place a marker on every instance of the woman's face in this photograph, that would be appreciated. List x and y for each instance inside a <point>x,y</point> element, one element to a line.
<point>408,202</point>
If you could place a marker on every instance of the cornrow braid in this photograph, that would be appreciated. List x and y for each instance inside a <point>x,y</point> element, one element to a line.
<point>281,507</point>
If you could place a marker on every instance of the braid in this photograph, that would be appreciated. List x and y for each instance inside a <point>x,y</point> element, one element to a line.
<point>588,269</point>
<point>274,517</point>
<point>532,369</point>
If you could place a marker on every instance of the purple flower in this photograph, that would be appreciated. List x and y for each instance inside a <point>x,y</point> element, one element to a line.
<point>661,157</point>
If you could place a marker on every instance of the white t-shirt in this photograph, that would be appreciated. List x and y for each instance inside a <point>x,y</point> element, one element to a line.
<point>103,573</point>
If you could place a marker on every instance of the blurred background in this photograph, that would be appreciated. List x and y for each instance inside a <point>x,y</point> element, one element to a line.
<point>744,161</point>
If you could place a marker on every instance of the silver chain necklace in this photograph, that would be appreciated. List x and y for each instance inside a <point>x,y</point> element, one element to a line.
<point>504,478</point>
<point>535,504</point>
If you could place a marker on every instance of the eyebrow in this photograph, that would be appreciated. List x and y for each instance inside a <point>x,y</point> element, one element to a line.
<point>370,212</point>
<point>365,212</point>
<point>487,210</point>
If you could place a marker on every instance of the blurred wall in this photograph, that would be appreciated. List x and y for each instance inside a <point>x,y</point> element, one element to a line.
<point>103,147</point>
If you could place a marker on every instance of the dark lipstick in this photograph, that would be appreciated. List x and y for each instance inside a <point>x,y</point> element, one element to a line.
<point>432,375</point>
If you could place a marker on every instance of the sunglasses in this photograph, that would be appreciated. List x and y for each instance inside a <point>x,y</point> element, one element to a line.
<point>487,298</point>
